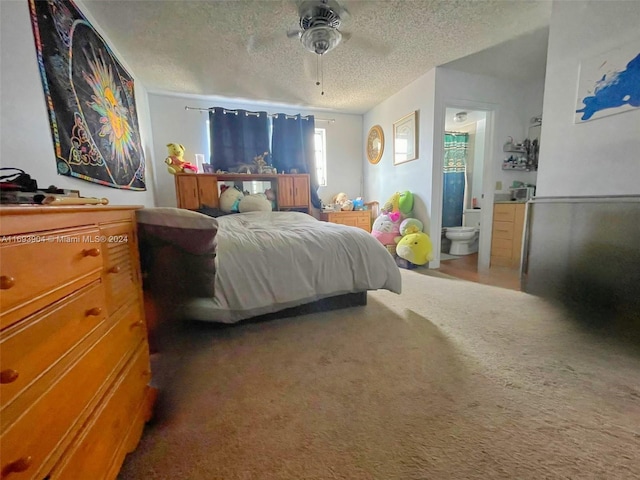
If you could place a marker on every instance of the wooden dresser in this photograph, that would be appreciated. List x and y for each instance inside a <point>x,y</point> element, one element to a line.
<point>194,191</point>
<point>357,218</point>
<point>74,357</point>
<point>506,235</point>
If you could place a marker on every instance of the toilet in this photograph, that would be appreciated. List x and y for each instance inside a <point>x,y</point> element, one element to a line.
<point>464,240</point>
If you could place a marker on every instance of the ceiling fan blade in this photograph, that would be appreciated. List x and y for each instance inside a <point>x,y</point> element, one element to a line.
<point>294,33</point>
<point>357,41</point>
<point>258,43</point>
<point>345,15</point>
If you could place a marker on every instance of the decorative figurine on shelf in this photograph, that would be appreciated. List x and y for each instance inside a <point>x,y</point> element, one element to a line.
<point>176,162</point>
<point>260,162</point>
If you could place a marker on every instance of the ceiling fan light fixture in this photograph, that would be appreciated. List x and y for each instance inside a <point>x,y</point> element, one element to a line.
<point>460,117</point>
<point>320,39</point>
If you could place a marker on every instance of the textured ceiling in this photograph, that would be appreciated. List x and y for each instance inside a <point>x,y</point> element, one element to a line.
<point>239,48</point>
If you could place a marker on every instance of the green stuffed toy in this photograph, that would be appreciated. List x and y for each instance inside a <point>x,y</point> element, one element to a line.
<point>399,205</point>
<point>416,248</point>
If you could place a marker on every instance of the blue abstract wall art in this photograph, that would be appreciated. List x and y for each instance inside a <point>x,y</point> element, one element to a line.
<point>609,83</point>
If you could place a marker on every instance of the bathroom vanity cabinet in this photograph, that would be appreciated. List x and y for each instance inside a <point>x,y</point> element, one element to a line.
<point>506,235</point>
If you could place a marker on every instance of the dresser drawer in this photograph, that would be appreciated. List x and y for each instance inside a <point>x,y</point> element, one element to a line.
<point>501,244</point>
<point>120,266</point>
<point>39,268</point>
<point>364,221</point>
<point>503,230</point>
<point>101,440</point>
<point>36,344</point>
<point>500,261</point>
<point>360,219</point>
<point>501,252</point>
<point>503,212</point>
<point>57,412</point>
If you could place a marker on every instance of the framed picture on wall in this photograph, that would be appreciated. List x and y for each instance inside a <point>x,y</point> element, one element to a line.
<point>90,99</point>
<point>405,139</point>
<point>608,83</point>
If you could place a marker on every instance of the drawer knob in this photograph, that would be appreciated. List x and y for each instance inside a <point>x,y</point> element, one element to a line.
<point>115,269</point>
<point>8,376</point>
<point>91,252</point>
<point>17,466</point>
<point>137,324</point>
<point>93,312</point>
<point>6,282</point>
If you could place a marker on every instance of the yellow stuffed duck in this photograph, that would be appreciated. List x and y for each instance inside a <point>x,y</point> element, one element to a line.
<point>416,248</point>
<point>176,162</point>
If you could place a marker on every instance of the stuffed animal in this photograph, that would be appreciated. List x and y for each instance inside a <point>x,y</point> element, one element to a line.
<point>230,199</point>
<point>400,204</point>
<point>410,225</point>
<point>392,205</point>
<point>386,230</point>
<point>256,202</point>
<point>416,248</point>
<point>342,199</point>
<point>233,200</point>
<point>405,202</point>
<point>176,162</point>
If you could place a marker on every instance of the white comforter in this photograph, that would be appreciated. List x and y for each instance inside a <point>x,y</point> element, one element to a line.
<point>268,261</point>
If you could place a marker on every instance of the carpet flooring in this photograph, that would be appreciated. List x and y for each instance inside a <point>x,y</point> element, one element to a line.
<point>450,380</point>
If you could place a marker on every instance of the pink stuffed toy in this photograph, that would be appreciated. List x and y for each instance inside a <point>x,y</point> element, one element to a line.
<point>386,229</point>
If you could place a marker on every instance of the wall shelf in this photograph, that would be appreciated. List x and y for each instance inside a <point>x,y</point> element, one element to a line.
<point>519,168</point>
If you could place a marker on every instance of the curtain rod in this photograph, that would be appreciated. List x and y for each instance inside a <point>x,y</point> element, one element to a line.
<point>330,120</point>
<point>453,132</point>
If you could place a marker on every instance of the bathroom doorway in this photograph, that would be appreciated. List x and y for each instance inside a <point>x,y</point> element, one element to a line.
<point>466,146</point>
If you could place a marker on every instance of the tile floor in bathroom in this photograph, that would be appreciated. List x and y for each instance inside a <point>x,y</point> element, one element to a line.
<point>466,267</point>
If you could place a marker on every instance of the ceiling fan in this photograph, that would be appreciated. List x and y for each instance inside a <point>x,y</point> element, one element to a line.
<point>320,21</point>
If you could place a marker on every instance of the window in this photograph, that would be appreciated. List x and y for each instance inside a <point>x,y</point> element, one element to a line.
<point>321,156</point>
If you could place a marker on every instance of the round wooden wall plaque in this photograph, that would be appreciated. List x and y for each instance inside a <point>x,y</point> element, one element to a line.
<point>375,144</point>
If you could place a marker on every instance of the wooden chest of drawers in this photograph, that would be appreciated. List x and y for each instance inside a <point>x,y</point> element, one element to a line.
<point>359,218</point>
<point>506,235</point>
<point>74,357</point>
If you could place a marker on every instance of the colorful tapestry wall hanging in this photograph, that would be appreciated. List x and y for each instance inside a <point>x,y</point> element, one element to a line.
<point>90,99</point>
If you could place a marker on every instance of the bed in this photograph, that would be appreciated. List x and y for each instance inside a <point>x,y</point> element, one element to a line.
<point>245,265</point>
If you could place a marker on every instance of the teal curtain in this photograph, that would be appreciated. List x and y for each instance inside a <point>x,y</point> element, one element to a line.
<point>454,178</point>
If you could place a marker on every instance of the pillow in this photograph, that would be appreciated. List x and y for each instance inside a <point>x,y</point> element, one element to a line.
<point>193,232</point>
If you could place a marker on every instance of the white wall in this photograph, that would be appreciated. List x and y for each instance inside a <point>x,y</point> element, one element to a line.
<point>383,179</point>
<point>479,92</point>
<point>478,162</point>
<point>171,123</point>
<point>598,157</point>
<point>507,98</point>
<point>430,95</point>
<point>25,136</point>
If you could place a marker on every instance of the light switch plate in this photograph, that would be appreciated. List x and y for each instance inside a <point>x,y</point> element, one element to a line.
<point>498,185</point>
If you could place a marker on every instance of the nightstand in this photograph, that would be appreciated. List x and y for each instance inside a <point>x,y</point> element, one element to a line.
<point>357,218</point>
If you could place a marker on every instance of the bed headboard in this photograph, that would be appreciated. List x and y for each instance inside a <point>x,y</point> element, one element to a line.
<point>196,191</point>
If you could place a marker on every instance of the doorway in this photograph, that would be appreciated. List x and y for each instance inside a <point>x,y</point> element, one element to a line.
<point>463,164</point>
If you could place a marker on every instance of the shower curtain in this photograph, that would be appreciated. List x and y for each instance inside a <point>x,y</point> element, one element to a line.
<point>455,178</point>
